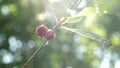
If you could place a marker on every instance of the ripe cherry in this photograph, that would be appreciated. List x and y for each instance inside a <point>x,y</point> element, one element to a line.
<point>52,36</point>
<point>42,31</point>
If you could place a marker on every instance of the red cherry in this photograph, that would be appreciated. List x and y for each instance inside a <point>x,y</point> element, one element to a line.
<point>42,31</point>
<point>52,36</point>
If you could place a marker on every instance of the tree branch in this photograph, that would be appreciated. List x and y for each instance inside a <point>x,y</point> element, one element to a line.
<point>43,44</point>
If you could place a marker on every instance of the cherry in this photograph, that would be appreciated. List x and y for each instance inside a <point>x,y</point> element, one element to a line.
<point>42,31</point>
<point>52,36</point>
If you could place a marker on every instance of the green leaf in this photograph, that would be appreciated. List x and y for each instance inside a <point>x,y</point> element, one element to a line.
<point>87,11</point>
<point>74,19</point>
<point>91,35</point>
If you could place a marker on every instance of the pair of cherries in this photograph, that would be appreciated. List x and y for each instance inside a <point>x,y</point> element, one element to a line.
<point>43,32</point>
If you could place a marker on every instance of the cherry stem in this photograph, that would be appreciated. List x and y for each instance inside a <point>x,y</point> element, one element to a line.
<point>43,44</point>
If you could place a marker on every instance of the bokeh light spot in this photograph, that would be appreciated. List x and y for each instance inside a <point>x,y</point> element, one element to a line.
<point>7,58</point>
<point>5,10</point>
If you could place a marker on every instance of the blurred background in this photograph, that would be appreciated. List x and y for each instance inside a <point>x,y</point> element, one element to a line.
<point>18,41</point>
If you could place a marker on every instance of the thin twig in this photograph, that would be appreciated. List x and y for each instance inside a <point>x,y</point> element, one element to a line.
<point>43,44</point>
<point>35,53</point>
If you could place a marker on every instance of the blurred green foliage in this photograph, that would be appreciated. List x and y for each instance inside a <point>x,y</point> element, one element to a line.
<point>99,20</point>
